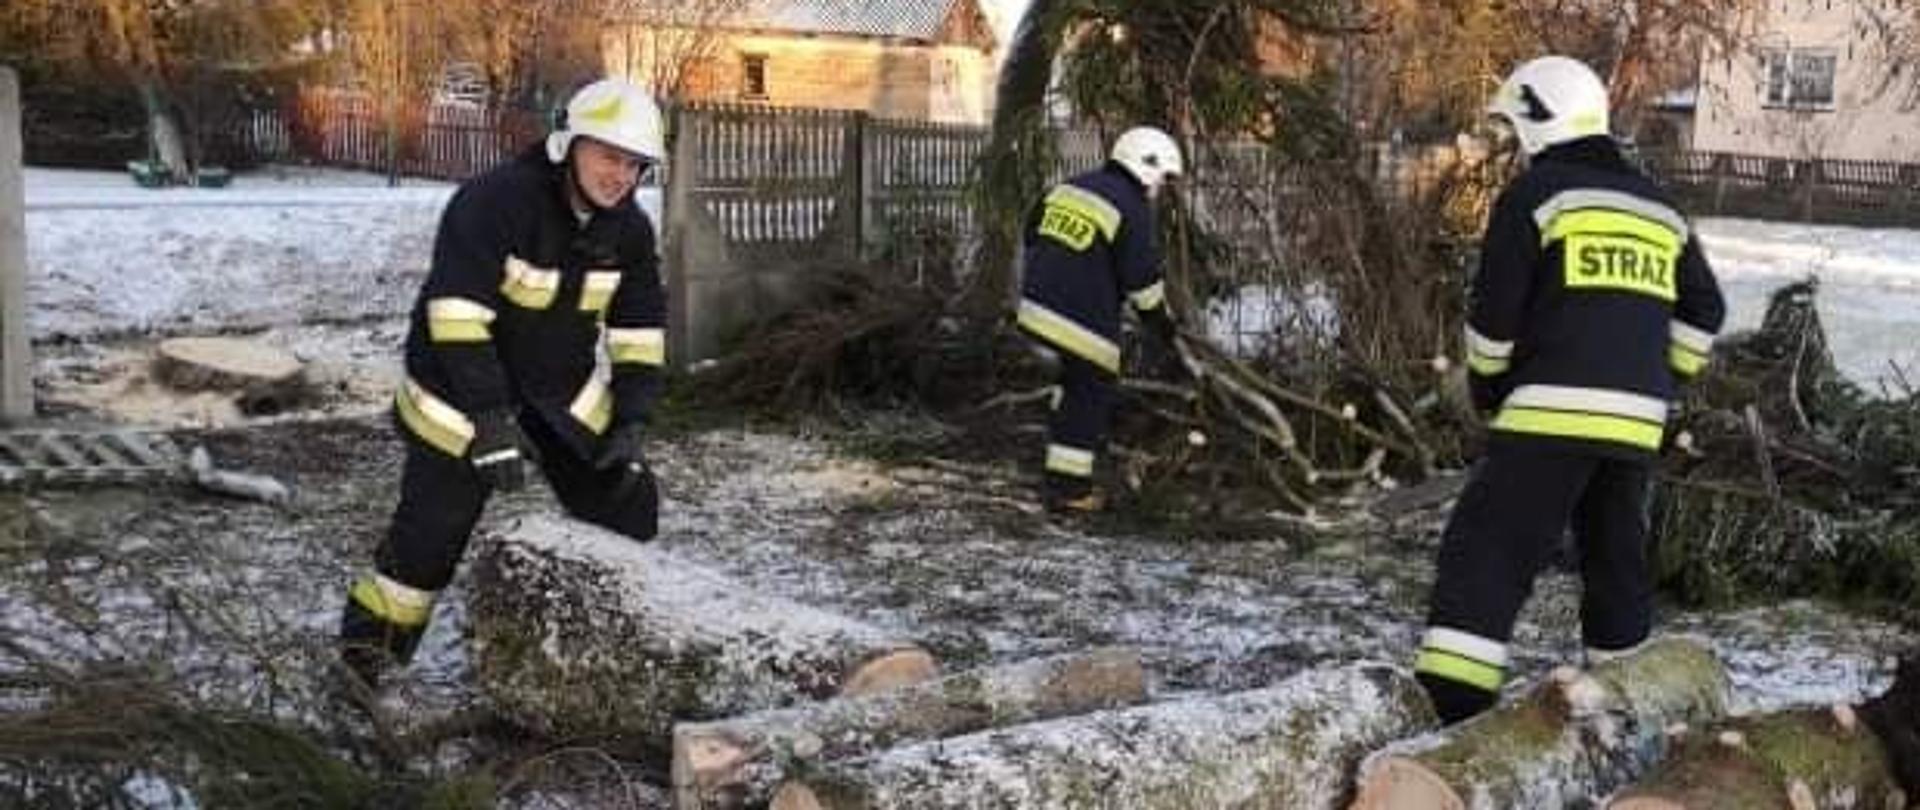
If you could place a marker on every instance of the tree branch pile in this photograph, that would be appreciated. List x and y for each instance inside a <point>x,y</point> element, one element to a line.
<point>1797,482</point>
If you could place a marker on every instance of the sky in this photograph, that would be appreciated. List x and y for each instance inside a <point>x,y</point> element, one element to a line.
<point>1005,16</point>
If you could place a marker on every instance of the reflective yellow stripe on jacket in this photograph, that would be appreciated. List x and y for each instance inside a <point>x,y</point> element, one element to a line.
<point>1690,349</point>
<point>1614,241</point>
<point>1064,333</point>
<point>529,286</point>
<point>593,406</point>
<point>1074,216</point>
<point>1149,297</point>
<point>433,420</point>
<point>1573,412</point>
<point>643,346</point>
<point>597,289</point>
<point>458,320</point>
<point>1488,357</point>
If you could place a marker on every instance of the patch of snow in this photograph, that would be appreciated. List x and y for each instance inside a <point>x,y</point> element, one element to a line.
<point>1869,286</point>
<point>1258,318</point>
<point>106,259</point>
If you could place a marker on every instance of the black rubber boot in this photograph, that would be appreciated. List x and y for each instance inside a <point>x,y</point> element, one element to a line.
<point>1455,701</point>
<point>370,645</point>
<point>1895,717</point>
<point>1069,495</point>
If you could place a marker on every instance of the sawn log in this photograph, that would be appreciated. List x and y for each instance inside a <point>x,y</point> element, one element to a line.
<point>579,631</point>
<point>1575,737</point>
<point>1288,747</point>
<point>1803,759</point>
<point>739,762</point>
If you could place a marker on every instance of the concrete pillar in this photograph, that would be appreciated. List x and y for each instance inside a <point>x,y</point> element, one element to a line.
<point>16,358</point>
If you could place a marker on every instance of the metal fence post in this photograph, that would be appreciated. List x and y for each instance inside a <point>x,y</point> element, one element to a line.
<point>16,359</point>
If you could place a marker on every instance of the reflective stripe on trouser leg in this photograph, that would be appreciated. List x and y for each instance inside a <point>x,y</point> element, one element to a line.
<point>1462,657</point>
<point>1077,430</point>
<point>1610,528</point>
<point>392,601</point>
<point>387,611</point>
<point>1505,526</point>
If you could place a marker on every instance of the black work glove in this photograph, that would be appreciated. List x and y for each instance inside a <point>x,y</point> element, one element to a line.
<point>1487,393</point>
<point>1160,353</point>
<point>496,452</point>
<point>1159,322</point>
<point>624,453</point>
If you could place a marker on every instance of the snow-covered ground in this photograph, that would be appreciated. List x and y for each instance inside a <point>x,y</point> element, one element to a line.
<point>105,256</point>
<point>1869,286</point>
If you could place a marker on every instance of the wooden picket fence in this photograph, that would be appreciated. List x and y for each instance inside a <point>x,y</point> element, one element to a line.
<point>349,130</point>
<point>1845,192</point>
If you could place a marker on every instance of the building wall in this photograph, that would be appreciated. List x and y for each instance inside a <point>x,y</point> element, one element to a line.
<point>947,83</point>
<point>1864,123</point>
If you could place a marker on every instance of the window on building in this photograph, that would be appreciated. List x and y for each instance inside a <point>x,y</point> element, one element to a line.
<point>1801,79</point>
<point>754,76</point>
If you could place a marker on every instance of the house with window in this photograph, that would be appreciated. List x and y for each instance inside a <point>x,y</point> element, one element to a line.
<point>923,60</point>
<point>1820,79</point>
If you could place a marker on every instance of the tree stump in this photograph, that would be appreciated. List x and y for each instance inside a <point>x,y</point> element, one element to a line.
<point>266,379</point>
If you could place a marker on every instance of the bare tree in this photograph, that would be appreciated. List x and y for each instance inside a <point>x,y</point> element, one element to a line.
<point>1430,66</point>
<point>1643,47</point>
<point>1892,36</point>
<point>669,44</point>
<point>160,47</point>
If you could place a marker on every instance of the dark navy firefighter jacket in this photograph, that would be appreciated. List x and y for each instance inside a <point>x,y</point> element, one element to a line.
<point>1089,243</point>
<point>523,302</point>
<point>1593,300</point>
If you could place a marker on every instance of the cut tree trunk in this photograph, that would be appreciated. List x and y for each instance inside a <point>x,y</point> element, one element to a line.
<point>1805,759</point>
<point>1575,736</point>
<point>1292,746</point>
<point>739,762</point>
<point>265,378</point>
<point>583,632</point>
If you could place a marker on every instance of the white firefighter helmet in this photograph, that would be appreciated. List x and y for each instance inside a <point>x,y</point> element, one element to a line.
<point>1150,155</point>
<point>616,112</point>
<point>1552,100</point>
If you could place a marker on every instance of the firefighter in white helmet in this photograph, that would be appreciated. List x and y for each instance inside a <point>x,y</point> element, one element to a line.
<point>1090,246</point>
<point>538,264</point>
<point>1592,305</point>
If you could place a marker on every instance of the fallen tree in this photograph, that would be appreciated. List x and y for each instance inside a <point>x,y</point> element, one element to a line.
<point>1575,735</point>
<point>739,762</point>
<point>1798,483</point>
<point>582,632</point>
<point>1289,746</point>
